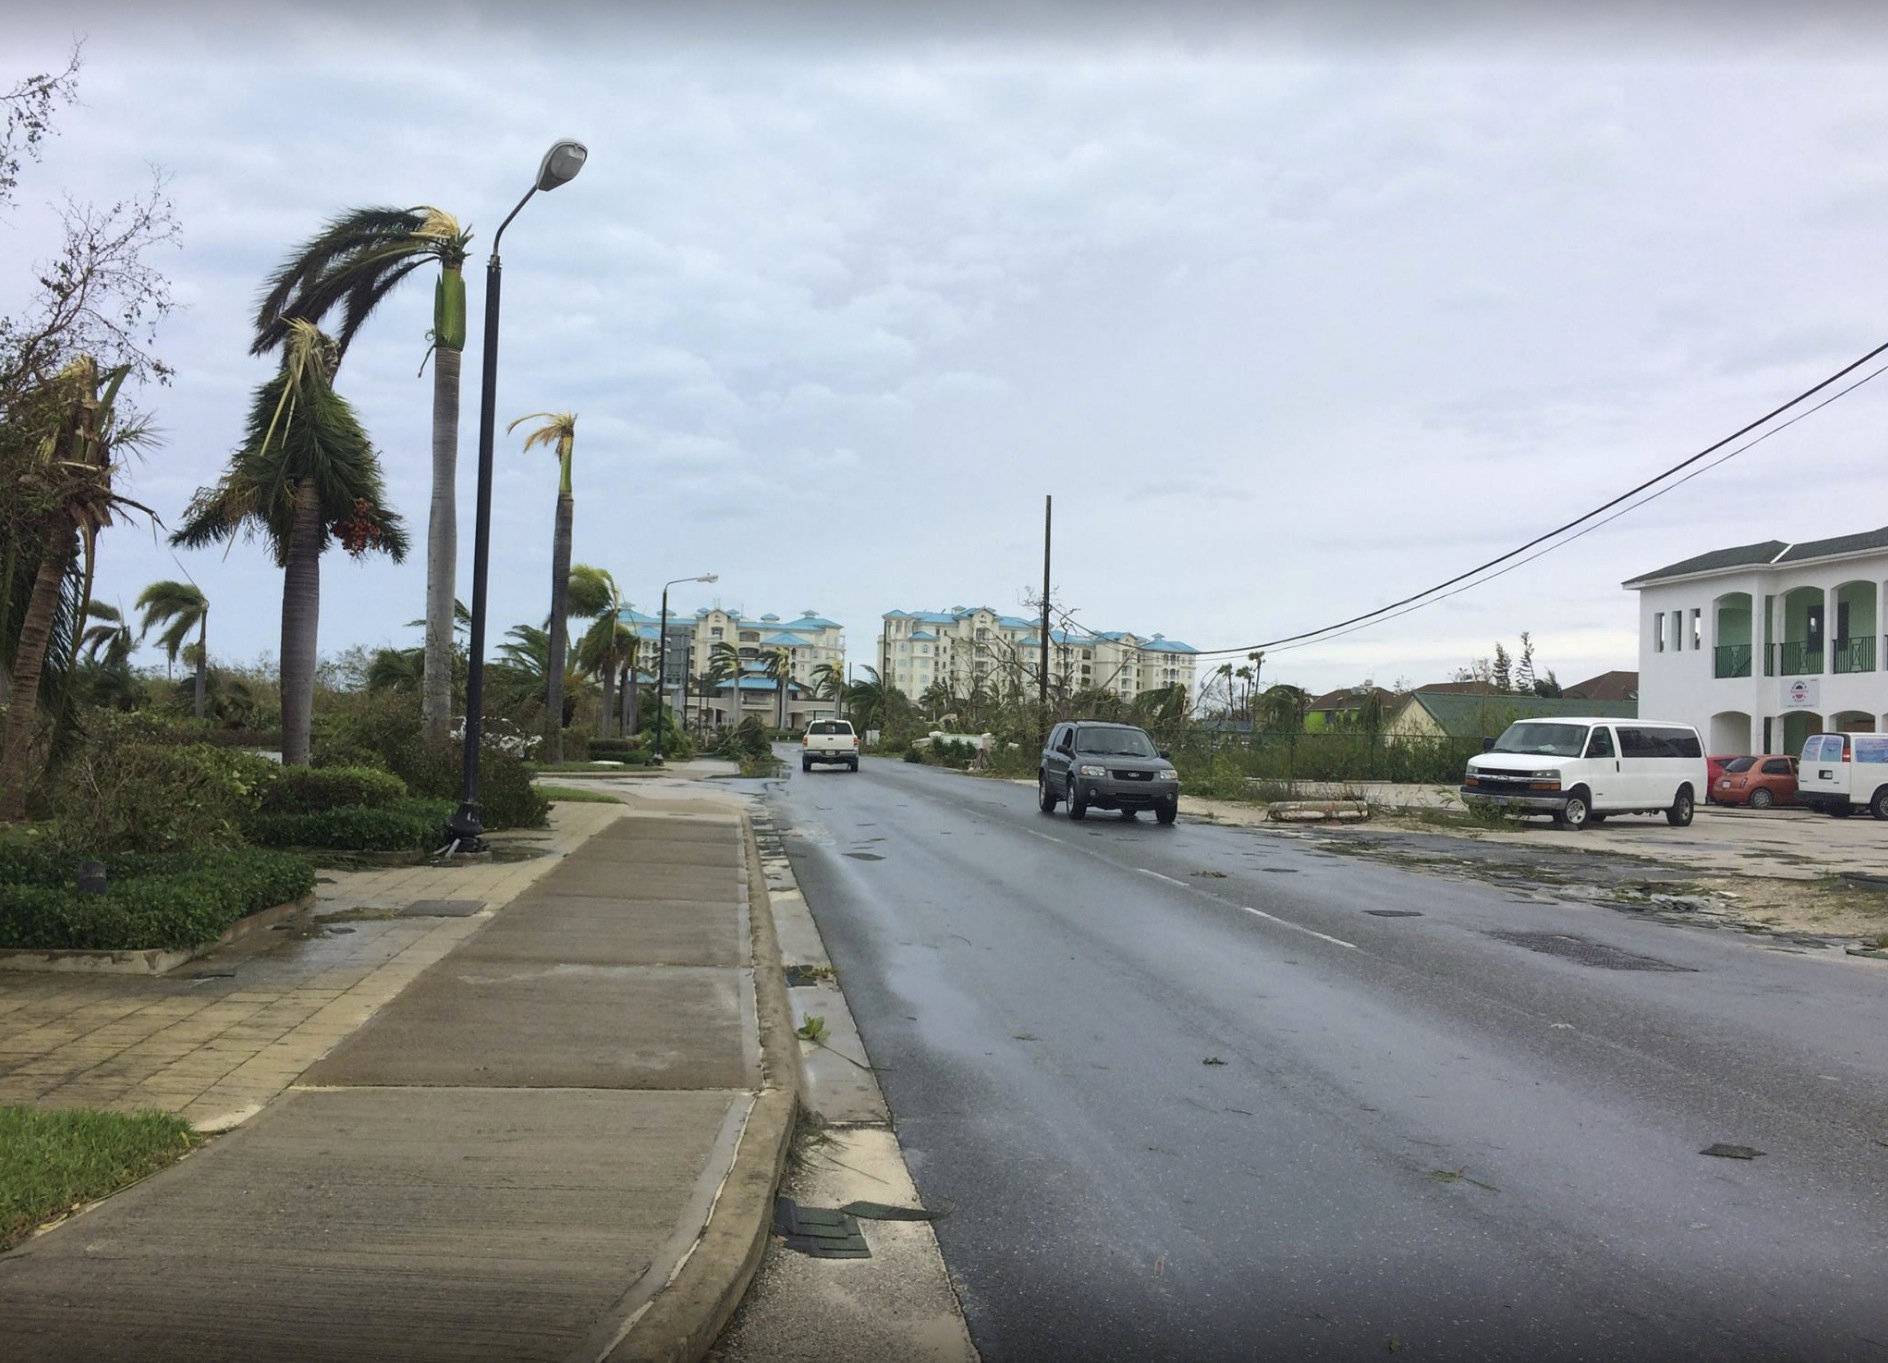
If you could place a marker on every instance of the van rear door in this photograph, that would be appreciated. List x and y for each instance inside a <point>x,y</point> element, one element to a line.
<point>1820,775</point>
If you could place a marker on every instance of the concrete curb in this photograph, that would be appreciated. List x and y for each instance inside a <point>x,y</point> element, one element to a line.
<point>686,1317</point>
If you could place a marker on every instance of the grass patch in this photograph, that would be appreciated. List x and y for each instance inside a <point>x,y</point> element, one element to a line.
<point>577,795</point>
<point>51,1161</point>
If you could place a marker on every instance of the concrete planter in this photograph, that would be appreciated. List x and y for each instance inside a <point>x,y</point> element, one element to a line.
<point>1317,811</point>
<point>154,960</point>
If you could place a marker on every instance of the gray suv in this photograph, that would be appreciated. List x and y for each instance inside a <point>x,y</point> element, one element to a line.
<point>1106,766</point>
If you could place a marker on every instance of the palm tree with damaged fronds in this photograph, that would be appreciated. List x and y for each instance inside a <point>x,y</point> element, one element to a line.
<point>829,683</point>
<point>558,434</point>
<point>594,595</point>
<point>61,492</point>
<point>352,264</point>
<point>305,476</point>
<point>778,667</point>
<point>179,609</point>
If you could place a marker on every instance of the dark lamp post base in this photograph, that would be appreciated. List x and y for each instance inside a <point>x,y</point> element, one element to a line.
<point>464,830</point>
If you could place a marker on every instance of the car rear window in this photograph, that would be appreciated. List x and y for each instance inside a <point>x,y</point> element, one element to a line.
<point>830,726</point>
<point>1740,764</point>
<point>1778,766</point>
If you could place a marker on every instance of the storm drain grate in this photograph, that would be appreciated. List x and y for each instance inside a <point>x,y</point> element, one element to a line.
<point>1584,952</point>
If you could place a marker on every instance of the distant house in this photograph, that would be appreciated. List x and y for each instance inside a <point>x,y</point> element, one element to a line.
<point>1615,685</point>
<point>1431,713</point>
<point>1344,707</point>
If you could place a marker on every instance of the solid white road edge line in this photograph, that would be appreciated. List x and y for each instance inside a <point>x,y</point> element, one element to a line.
<point>1300,927</point>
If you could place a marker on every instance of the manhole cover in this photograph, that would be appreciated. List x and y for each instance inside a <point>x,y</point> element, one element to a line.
<point>442,908</point>
<point>1584,952</point>
<point>1393,913</point>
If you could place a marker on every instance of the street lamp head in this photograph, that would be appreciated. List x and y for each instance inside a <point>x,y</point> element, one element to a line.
<point>709,577</point>
<point>561,163</point>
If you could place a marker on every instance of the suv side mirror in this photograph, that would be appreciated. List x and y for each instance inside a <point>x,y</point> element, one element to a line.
<point>1166,756</point>
<point>1488,745</point>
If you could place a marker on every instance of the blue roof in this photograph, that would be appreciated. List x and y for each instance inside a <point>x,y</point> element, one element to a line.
<point>784,640</point>
<point>932,617</point>
<point>758,684</point>
<point>1169,646</point>
<point>1016,622</point>
<point>922,634</point>
<point>809,620</point>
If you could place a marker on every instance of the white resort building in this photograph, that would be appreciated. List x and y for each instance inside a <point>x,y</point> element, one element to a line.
<point>968,645</point>
<point>1760,645</point>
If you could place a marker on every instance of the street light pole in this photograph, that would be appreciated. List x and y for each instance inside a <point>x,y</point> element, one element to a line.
<point>465,828</point>
<point>662,656</point>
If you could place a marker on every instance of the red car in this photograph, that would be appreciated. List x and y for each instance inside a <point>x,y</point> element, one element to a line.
<point>1759,782</point>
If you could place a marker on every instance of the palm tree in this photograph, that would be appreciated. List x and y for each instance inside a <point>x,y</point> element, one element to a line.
<point>1282,708</point>
<point>558,434</point>
<point>64,487</point>
<point>181,609</point>
<point>870,699</point>
<point>353,263</point>
<point>109,641</point>
<point>778,667</point>
<point>724,666</point>
<point>593,594</point>
<point>306,474</point>
<point>829,683</point>
<point>629,688</point>
<point>396,669</point>
<point>938,699</point>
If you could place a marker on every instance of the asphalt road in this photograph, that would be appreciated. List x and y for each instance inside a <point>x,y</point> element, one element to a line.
<point>1186,1095</point>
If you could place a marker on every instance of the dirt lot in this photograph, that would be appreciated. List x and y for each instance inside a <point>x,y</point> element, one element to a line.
<point>1787,872</point>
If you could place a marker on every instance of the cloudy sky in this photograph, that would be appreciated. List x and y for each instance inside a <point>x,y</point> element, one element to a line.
<point>1292,316</point>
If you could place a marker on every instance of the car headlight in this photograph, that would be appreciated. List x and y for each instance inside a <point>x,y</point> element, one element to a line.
<point>1089,769</point>
<point>1166,774</point>
<point>1552,774</point>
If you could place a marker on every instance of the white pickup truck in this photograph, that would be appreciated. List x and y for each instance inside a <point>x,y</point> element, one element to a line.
<point>831,741</point>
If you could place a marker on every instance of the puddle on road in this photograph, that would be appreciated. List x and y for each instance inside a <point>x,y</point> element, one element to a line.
<point>865,856</point>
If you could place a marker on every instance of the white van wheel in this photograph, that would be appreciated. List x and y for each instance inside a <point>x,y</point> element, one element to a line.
<point>1879,805</point>
<point>1679,815</point>
<point>1576,812</point>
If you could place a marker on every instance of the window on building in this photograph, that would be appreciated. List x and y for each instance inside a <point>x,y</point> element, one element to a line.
<point>1658,632</point>
<point>1697,628</point>
<point>1678,631</point>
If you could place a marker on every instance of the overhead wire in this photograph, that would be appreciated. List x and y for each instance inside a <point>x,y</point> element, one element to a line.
<point>1344,626</point>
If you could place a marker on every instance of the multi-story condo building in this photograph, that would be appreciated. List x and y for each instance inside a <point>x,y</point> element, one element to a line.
<point>808,641</point>
<point>970,645</point>
<point>1760,645</point>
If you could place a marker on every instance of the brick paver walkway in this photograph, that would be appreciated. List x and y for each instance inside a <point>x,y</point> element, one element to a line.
<point>219,1037</point>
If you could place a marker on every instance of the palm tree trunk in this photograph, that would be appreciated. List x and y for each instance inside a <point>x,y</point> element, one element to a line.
<point>560,589</point>
<point>442,548</point>
<point>301,618</point>
<point>626,697</point>
<point>203,662</point>
<point>607,711</point>
<point>29,658</point>
<point>632,707</point>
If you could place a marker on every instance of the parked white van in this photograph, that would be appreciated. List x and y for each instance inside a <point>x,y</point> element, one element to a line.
<point>1581,770</point>
<point>1840,773</point>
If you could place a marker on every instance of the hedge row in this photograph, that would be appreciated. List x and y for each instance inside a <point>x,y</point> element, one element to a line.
<point>406,825</point>
<point>151,900</point>
<point>314,790</point>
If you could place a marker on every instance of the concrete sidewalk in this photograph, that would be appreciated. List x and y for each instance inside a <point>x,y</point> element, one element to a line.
<point>559,1142</point>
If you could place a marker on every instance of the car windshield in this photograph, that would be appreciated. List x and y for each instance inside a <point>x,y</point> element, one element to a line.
<point>1740,764</point>
<point>1542,740</point>
<point>1115,743</point>
<point>830,726</point>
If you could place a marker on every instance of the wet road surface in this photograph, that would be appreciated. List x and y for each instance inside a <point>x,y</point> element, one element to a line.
<point>1205,1092</point>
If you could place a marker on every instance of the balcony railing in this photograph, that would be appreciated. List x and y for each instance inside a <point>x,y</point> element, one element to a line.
<point>1854,655</point>
<point>1799,658</point>
<point>1732,660</point>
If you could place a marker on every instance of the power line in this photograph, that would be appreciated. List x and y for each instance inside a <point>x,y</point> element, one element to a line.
<point>1572,524</point>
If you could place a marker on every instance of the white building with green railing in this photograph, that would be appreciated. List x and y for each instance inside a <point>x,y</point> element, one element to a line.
<point>1760,645</point>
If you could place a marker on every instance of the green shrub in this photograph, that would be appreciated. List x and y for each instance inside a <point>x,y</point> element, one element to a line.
<point>310,790</point>
<point>128,796</point>
<point>744,742</point>
<point>408,825</point>
<point>384,732</point>
<point>151,900</point>
<point>614,749</point>
<point>913,755</point>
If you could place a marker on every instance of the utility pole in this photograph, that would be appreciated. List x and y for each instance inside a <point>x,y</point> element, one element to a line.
<point>1042,675</point>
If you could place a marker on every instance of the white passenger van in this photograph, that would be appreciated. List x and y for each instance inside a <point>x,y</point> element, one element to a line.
<point>1581,770</point>
<point>1840,773</point>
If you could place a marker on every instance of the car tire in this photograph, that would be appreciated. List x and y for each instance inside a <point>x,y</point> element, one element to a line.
<point>1593,818</point>
<point>1577,812</point>
<point>1682,809</point>
<point>1167,811</point>
<point>1761,799</point>
<point>1078,807</point>
<point>853,765</point>
<point>1879,805</point>
<point>1046,799</point>
<point>805,766</point>
<point>1839,809</point>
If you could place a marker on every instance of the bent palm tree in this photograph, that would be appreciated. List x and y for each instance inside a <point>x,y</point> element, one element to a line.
<point>593,594</point>
<point>829,683</point>
<point>353,263</point>
<point>395,669</point>
<point>181,609</point>
<point>558,434</point>
<point>305,475</point>
<point>63,493</point>
<point>779,671</point>
<point>109,642</point>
